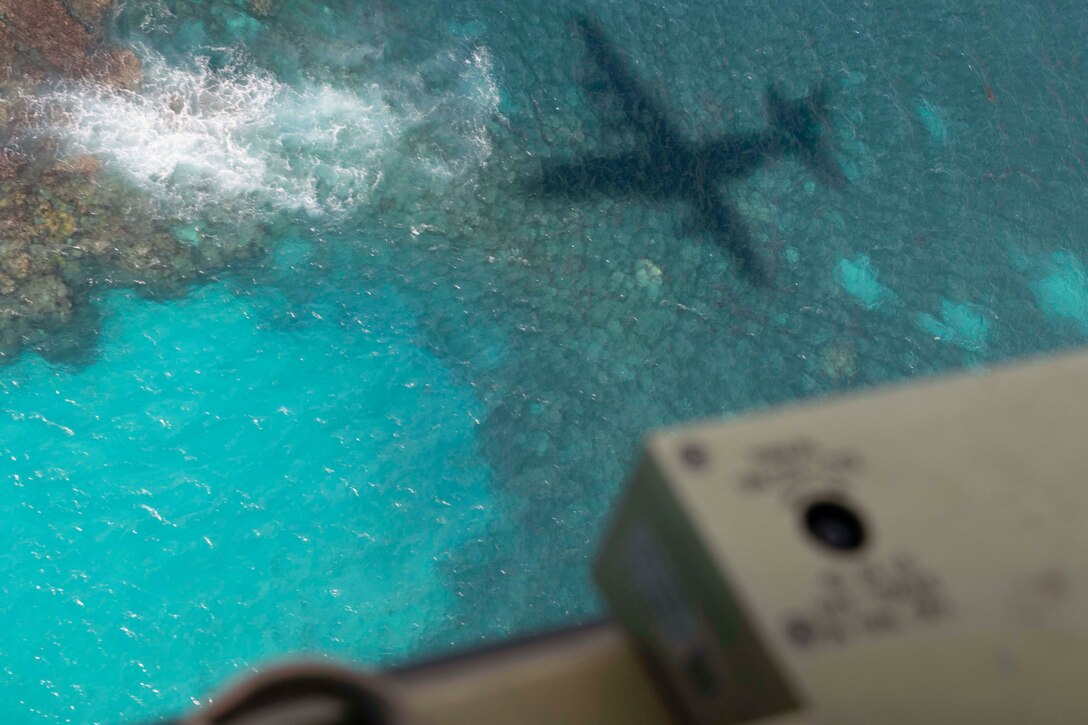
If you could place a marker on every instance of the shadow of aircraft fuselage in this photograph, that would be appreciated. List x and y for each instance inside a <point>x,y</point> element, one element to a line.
<point>667,165</point>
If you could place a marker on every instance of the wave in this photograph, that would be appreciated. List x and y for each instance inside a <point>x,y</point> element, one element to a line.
<point>197,136</point>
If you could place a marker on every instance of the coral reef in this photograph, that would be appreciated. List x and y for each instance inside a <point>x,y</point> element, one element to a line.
<point>64,226</point>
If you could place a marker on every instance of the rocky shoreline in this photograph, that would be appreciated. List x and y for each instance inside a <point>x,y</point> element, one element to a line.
<point>66,226</point>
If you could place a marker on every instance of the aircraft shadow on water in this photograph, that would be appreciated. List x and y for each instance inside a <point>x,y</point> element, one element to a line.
<point>666,165</point>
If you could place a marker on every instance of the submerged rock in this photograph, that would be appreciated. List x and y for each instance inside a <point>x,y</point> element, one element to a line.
<point>649,276</point>
<point>961,324</point>
<point>858,277</point>
<point>262,8</point>
<point>1062,291</point>
<point>839,361</point>
<point>11,163</point>
<point>932,119</point>
<point>82,165</point>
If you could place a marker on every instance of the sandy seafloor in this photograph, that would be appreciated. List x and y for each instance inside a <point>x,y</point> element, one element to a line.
<point>403,427</point>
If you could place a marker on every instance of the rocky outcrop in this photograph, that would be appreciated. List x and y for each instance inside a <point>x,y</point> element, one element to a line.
<point>45,38</point>
<point>64,227</point>
<point>89,12</point>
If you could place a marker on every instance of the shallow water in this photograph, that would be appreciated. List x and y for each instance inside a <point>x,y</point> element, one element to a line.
<point>403,427</point>
<point>236,476</point>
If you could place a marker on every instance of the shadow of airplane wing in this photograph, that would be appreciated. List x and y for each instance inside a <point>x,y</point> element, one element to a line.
<point>613,175</point>
<point>639,106</point>
<point>723,221</point>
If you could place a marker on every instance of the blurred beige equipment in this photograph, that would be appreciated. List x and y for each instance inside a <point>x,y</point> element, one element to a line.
<point>913,555</point>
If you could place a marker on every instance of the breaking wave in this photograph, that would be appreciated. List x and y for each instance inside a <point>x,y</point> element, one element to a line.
<point>239,137</point>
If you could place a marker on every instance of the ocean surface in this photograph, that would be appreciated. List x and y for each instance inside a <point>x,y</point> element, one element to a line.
<point>402,427</point>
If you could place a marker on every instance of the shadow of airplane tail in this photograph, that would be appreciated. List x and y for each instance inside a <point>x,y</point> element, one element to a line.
<point>801,127</point>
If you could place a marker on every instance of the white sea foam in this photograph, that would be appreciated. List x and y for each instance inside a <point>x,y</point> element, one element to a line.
<point>485,95</point>
<point>462,117</point>
<point>238,138</point>
<point>193,136</point>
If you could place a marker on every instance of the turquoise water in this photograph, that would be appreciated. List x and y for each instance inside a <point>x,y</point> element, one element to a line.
<point>237,475</point>
<point>402,428</point>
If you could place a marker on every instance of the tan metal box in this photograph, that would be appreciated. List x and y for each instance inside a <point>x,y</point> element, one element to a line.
<point>914,555</point>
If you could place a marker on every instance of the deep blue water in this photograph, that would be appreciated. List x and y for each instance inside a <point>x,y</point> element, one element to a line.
<point>403,428</point>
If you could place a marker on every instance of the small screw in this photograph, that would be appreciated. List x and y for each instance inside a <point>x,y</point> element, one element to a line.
<point>800,632</point>
<point>693,455</point>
